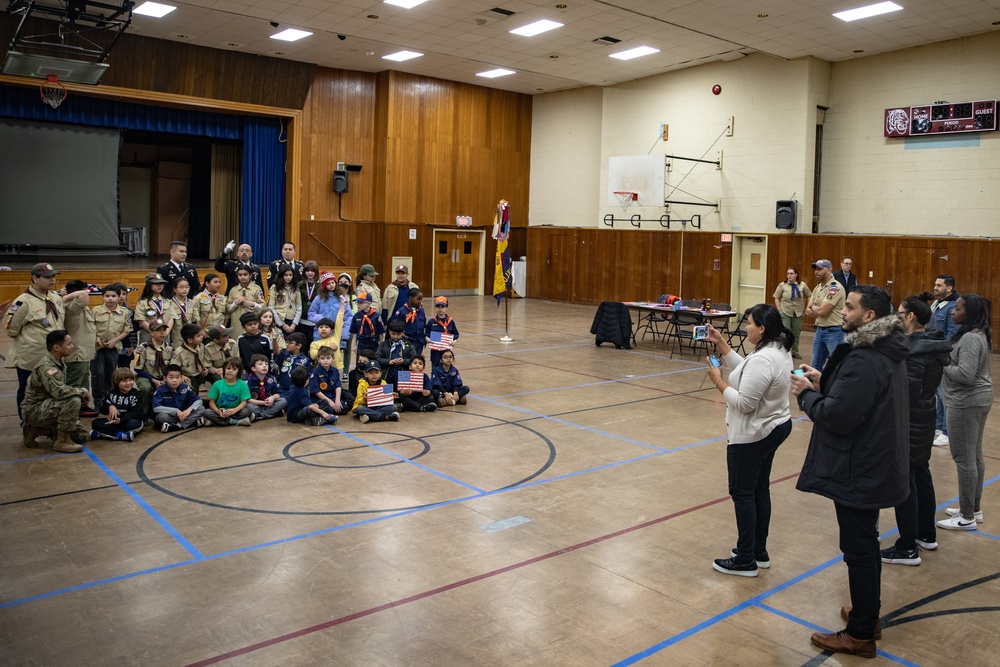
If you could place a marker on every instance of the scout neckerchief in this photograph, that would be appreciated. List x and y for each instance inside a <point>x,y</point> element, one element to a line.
<point>50,307</point>
<point>444,323</point>
<point>365,320</point>
<point>198,365</point>
<point>159,364</point>
<point>411,315</point>
<point>183,309</point>
<point>796,294</point>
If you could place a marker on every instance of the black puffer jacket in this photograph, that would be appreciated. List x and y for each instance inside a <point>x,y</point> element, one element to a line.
<point>860,439</point>
<point>612,324</point>
<point>929,354</point>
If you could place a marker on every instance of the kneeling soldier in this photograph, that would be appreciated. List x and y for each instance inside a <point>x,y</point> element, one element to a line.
<point>50,403</point>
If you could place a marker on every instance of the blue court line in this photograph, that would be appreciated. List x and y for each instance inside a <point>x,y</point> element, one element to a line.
<point>989,535</point>
<point>529,349</point>
<point>190,548</point>
<point>599,382</point>
<point>333,529</point>
<point>405,459</point>
<point>755,601</point>
<point>569,423</point>
<point>7,395</point>
<point>813,626</point>
<point>33,458</point>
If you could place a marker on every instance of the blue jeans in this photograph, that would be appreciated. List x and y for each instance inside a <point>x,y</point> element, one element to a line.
<point>824,343</point>
<point>942,413</point>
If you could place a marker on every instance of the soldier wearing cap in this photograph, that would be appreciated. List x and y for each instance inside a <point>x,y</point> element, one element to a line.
<point>219,348</point>
<point>825,304</point>
<point>176,268</point>
<point>396,292</point>
<point>30,318</point>
<point>151,359</point>
<point>366,283</point>
<point>51,404</point>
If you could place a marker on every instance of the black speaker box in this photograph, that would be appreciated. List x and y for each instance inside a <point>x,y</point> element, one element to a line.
<point>340,181</point>
<point>784,217</point>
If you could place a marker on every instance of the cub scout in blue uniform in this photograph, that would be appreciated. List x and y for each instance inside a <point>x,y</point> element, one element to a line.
<point>324,384</point>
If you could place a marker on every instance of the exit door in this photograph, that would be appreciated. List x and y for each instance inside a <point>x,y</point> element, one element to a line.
<point>457,262</point>
<point>751,276</point>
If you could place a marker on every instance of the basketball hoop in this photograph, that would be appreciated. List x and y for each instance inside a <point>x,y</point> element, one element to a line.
<point>625,199</point>
<point>53,93</point>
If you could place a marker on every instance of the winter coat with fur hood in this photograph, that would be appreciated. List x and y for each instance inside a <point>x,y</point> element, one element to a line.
<point>859,449</point>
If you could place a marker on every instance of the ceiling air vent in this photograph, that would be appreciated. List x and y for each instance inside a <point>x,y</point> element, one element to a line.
<point>606,41</point>
<point>502,12</point>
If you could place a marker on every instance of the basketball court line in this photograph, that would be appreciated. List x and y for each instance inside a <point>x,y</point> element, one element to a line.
<point>404,459</point>
<point>34,458</point>
<point>173,532</point>
<point>625,380</point>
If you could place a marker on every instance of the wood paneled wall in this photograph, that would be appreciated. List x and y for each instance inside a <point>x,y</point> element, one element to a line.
<point>185,69</point>
<point>591,265</point>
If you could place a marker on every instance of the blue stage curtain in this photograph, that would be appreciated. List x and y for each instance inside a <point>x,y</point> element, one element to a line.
<point>18,102</point>
<point>262,218</point>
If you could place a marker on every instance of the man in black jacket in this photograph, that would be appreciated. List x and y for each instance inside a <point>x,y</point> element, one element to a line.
<point>929,354</point>
<point>858,451</point>
<point>844,275</point>
<point>229,267</point>
<point>177,267</point>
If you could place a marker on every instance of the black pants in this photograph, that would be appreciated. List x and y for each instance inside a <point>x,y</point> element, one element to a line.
<point>102,367</point>
<point>413,402</point>
<point>915,515</point>
<point>749,485</point>
<point>859,543</point>
<point>22,385</point>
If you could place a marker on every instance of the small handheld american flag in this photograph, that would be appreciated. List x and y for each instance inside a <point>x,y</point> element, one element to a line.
<point>379,395</point>
<point>440,341</point>
<point>406,380</point>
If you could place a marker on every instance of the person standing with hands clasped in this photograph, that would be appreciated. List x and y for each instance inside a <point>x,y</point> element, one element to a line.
<point>858,452</point>
<point>759,421</point>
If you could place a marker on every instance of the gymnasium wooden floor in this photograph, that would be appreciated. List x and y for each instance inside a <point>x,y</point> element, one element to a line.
<point>568,515</point>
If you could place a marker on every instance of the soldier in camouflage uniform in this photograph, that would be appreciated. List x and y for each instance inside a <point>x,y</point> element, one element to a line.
<point>49,401</point>
<point>151,359</point>
<point>30,318</point>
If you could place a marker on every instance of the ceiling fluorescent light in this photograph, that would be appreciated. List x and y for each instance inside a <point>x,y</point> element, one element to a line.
<point>405,4</point>
<point>154,9</point>
<point>291,35</point>
<point>635,53</point>
<point>536,28</point>
<point>870,10</point>
<point>400,56</point>
<point>494,73</point>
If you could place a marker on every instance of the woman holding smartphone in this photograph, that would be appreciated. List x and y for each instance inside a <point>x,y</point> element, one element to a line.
<point>759,421</point>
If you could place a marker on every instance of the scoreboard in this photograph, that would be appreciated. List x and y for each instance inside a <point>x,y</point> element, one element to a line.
<point>941,118</point>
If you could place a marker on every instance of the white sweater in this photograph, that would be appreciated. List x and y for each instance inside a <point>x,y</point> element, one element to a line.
<point>757,395</point>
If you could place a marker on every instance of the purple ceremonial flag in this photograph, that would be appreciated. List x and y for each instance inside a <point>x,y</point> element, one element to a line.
<point>379,395</point>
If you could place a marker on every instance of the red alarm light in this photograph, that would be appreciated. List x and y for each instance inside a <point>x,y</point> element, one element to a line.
<point>716,89</point>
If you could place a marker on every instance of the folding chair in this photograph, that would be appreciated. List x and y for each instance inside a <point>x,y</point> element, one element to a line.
<point>724,324</point>
<point>740,332</point>
<point>685,321</point>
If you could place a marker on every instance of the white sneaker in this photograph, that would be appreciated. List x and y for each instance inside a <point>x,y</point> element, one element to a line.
<point>957,523</point>
<point>954,511</point>
<point>941,440</point>
<point>930,545</point>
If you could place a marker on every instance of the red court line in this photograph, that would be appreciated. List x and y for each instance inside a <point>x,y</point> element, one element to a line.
<point>457,584</point>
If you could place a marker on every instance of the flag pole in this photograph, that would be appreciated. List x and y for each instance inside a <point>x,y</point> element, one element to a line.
<point>506,338</point>
<point>502,272</point>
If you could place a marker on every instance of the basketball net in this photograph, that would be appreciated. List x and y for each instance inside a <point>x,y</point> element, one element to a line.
<point>53,93</point>
<point>625,199</point>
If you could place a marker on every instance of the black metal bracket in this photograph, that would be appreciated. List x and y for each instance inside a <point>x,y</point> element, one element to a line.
<point>73,18</point>
<point>610,220</point>
<point>667,202</point>
<point>717,163</point>
<point>695,221</point>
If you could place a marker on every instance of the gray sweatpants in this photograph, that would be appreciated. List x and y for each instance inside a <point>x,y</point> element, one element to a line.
<point>965,435</point>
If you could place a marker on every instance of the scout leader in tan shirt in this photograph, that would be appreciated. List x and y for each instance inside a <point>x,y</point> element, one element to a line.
<point>30,318</point>
<point>826,305</point>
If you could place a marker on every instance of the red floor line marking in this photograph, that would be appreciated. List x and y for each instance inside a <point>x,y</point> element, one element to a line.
<point>457,584</point>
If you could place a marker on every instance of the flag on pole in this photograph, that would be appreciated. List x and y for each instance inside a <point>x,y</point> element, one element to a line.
<point>502,278</point>
<point>379,395</point>
<point>440,341</point>
<point>405,380</point>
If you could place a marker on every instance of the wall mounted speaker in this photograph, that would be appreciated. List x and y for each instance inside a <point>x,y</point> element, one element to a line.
<point>784,217</point>
<point>340,181</point>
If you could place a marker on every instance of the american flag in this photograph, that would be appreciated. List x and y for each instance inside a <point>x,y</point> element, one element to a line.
<point>412,381</point>
<point>379,395</point>
<point>440,341</point>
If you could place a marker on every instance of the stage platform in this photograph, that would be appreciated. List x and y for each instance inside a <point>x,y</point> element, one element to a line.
<point>15,271</point>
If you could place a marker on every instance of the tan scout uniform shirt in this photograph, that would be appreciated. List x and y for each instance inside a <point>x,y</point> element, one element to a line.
<point>211,309</point>
<point>831,292</point>
<point>148,309</point>
<point>789,307</point>
<point>48,380</point>
<point>81,325</point>
<point>112,323</point>
<point>287,305</point>
<point>145,358</point>
<point>192,362</point>
<point>29,320</point>
<point>217,355</point>
<point>376,293</point>
<point>251,292</point>
<point>181,312</point>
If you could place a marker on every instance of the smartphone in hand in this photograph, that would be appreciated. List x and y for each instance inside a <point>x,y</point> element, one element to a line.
<point>798,371</point>
<point>715,361</point>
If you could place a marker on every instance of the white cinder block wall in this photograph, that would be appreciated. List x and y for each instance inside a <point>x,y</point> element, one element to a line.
<point>869,184</point>
<point>874,185</point>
